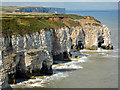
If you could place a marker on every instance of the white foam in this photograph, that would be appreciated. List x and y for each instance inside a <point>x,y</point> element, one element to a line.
<point>99,50</point>
<point>72,64</point>
<point>57,75</point>
<point>114,56</point>
<point>38,82</point>
<point>68,66</point>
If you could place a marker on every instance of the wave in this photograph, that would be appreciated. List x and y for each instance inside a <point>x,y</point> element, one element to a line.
<point>60,71</point>
<point>111,56</point>
<point>103,53</point>
<point>38,82</point>
<point>99,50</point>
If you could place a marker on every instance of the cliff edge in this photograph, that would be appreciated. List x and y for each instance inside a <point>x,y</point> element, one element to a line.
<point>32,41</point>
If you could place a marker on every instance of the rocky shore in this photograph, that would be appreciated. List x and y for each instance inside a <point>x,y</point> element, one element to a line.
<point>33,53</point>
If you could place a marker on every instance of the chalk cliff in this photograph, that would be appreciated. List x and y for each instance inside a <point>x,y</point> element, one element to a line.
<point>3,74</point>
<point>41,10</point>
<point>33,53</point>
<point>3,77</point>
<point>96,35</point>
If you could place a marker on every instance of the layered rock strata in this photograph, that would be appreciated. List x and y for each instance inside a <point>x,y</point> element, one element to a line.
<point>3,75</point>
<point>33,54</point>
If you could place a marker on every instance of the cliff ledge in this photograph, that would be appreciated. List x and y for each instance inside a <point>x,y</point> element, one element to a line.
<point>31,41</point>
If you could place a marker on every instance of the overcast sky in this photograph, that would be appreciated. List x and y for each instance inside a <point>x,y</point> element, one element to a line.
<point>59,0</point>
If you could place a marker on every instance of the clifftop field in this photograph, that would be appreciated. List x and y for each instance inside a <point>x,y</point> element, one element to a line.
<point>22,23</point>
<point>33,42</point>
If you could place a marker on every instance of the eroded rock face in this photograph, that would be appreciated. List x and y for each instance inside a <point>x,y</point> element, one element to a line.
<point>27,55</point>
<point>78,38</point>
<point>96,35</point>
<point>61,43</point>
<point>33,54</point>
<point>106,38</point>
<point>3,75</point>
<point>3,78</point>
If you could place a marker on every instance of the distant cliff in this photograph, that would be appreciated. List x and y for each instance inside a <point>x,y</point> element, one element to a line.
<point>32,42</point>
<point>33,10</point>
<point>42,10</point>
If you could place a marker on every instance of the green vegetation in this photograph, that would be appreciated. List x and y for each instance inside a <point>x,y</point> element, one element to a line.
<point>72,16</point>
<point>8,9</point>
<point>18,25</point>
<point>40,77</point>
<point>91,48</point>
<point>22,23</point>
<point>73,23</point>
<point>95,24</point>
<point>78,57</point>
<point>13,24</point>
<point>33,53</point>
<point>92,18</point>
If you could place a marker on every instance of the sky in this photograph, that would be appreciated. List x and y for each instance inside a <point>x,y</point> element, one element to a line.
<point>59,0</point>
<point>69,5</point>
<point>83,6</point>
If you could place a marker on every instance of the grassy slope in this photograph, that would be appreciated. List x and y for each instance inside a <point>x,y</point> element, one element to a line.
<point>22,23</point>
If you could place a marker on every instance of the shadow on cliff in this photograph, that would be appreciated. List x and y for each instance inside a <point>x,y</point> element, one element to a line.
<point>63,70</point>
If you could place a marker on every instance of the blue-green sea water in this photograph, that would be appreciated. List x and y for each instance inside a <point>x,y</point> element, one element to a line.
<point>109,18</point>
<point>97,70</point>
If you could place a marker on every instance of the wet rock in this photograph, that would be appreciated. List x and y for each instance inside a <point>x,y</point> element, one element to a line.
<point>109,47</point>
<point>3,74</point>
<point>46,70</point>
<point>33,54</point>
<point>92,47</point>
<point>3,77</point>
<point>106,37</point>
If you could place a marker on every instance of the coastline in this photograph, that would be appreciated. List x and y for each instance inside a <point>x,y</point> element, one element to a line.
<point>59,69</point>
<point>63,73</point>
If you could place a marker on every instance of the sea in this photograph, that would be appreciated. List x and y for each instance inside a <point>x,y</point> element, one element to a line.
<point>96,68</point>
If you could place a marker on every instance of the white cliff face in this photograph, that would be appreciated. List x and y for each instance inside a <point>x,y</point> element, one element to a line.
<point>3,75</point>
<point>28,54</point>
<point>3,78</point>
<point>106,37</point>
<point>91,34</point>
<point>33,54</point>
<point>61,41</point>
<point>77,35</point>
<point>38,40</point>
<point>97,36</point>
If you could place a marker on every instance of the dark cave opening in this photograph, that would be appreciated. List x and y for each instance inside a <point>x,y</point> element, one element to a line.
<point>45,70</point>
<point>80,45</point>
<point>100,41</point>
<point>65,55</point>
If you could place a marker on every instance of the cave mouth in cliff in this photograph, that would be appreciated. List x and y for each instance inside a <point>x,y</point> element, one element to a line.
<point>80,45</point>
<point>45,70</point>
<point>100,41</point>
<point>65,55</point>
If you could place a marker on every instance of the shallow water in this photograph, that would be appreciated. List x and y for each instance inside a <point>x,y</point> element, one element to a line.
<point>97,70</point>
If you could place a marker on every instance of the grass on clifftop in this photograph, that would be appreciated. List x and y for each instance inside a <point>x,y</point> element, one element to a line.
<point>22,23</point>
